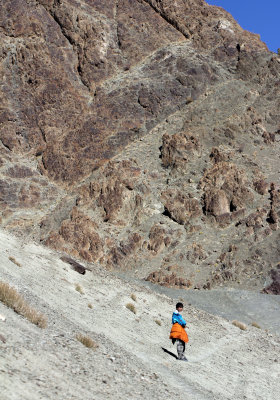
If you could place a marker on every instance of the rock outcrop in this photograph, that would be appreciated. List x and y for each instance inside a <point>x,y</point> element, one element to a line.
<point>225,189</point>
<point>108,114</point>
<point>274,287</point>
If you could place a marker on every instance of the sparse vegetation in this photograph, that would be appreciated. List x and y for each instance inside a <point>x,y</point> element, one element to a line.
<point>131,307</point>
<point>90,305</point>
<point>181,300</point>
<point>86,341</point>
<point>79,288</point>
<point>239,325</point>
<point>157,321</point>
<point>12,299</point>
<point>15,261</point>
<point>255,325</point>
<point>133,296</point>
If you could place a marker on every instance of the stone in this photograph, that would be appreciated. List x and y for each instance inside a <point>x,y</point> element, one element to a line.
<point>2,318</point>
<point>158,239</point>
<point>225,189</point>
<point>261,187</point>
<point>74,264</point>
<point>177,149</point>
<point>274,287</point>
<point>77,236</point>
<point>120,256</point>
<point>180,206</point>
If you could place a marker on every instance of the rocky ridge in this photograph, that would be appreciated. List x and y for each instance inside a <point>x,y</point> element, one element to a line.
<point>142,136</point>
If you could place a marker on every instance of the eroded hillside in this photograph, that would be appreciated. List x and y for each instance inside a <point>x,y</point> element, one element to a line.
<point>133,356</point>
<point>143,136</point>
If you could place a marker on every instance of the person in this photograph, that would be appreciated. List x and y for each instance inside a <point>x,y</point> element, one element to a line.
<point>178,333</point>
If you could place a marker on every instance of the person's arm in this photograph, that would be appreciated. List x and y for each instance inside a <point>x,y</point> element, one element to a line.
<point>183,322</point>
<point>178,318</point>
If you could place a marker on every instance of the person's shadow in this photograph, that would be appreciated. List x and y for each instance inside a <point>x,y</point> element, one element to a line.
<point>170,353</point>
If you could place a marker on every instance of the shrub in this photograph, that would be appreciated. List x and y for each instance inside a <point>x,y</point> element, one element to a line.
<point>86,341</point>
<point>15,261</point>
<point>133,297</point>
<point>239,325</point>
<point>12,299</point>
<point>131,307</point>
<point>255,325</point>
<point>79,288</point>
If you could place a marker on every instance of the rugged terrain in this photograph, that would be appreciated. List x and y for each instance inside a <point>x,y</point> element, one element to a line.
<point>224,362</point>
<point>192,105</point>
<point>143,136</point>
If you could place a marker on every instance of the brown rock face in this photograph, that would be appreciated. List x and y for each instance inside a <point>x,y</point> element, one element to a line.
<point>177,150</point>
<point>108,113</point>
<point>170,280</point>
<point>210,26</point>
<point>114,194</point>
<point>78,237</point>
<point>274,287</point>
<point>158,239</point>
<point>121,255</point>
<point>261,187</point>
<point>180,207</point>
<point>68,112</point>
<point>225,189</point>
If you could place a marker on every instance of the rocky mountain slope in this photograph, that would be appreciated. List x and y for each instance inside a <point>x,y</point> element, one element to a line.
<point>142,135</point>
<point>224,362</point>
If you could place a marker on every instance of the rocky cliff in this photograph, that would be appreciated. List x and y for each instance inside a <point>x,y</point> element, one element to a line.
<point>142,135</point>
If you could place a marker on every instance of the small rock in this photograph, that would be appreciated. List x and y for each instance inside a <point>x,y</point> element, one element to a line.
<point>2,338</point>
<point>2,318</point>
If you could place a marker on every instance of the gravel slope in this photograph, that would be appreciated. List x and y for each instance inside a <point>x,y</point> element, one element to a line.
<point>224,362</point>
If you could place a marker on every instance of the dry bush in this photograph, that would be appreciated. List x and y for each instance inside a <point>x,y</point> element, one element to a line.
<point>133,297</point>
<point>12,299</point>
<point>157,321</point>
<point>86,341</point>
<point>239,325</point>
<point>255,325</point>
<point>15,261</point>
<point>131,307</point>
<point>79,288</point>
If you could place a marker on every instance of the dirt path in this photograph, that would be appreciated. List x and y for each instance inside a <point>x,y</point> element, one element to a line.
<point>224,362</point>
<point>245,305</point>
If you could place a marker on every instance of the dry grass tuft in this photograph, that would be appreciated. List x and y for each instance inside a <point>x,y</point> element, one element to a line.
<point>133,297</point>
<point>86,341</point>
<point>255,325</point>
<point>12,299</point>
<point>131,307</point>
<point>79,289</point>
<point>157,321</point>
<point>239,325</point>
<point>15,261</point>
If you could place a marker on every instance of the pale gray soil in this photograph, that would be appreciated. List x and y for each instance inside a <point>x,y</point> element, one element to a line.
<point>224,361</point>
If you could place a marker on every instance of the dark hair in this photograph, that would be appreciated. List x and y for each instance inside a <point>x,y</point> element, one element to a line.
<point>179,305</point>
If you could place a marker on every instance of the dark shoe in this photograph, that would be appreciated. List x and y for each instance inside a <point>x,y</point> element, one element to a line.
<point>182,359</point>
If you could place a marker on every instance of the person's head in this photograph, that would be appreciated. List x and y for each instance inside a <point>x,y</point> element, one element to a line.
<point>179,307</point>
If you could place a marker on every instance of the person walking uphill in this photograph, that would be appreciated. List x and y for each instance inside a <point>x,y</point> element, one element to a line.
<point>178,332</point>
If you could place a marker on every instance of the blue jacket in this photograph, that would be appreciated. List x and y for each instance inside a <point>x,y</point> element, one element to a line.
<point>176,317</point>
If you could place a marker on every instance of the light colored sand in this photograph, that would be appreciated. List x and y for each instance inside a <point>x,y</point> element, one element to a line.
<point>224,362</point>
